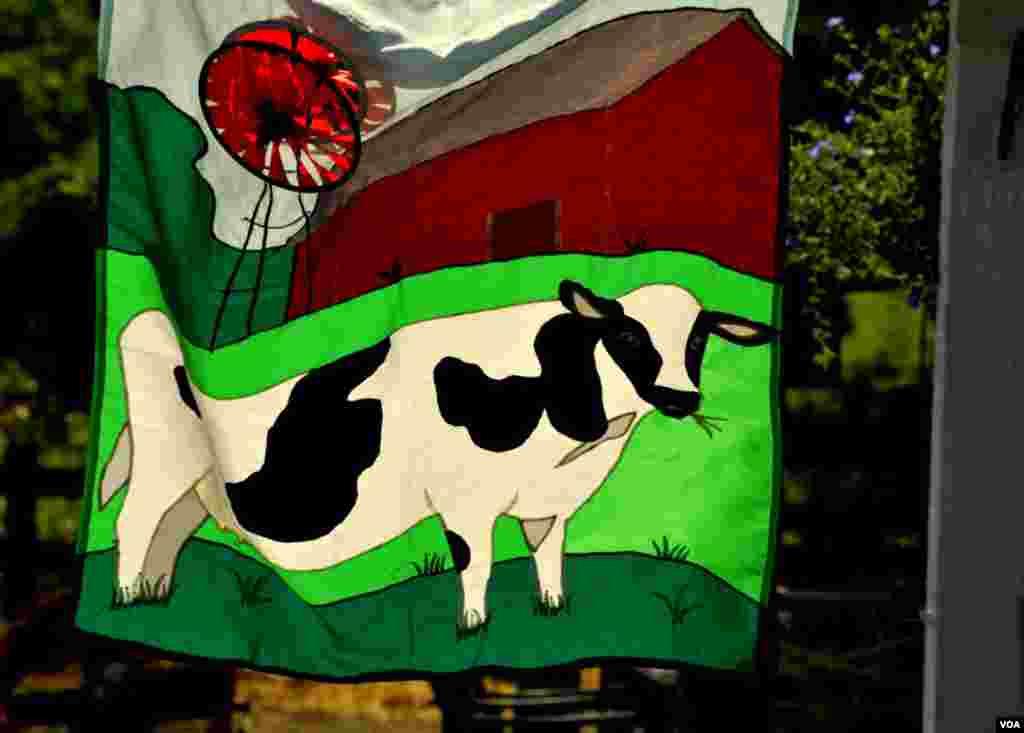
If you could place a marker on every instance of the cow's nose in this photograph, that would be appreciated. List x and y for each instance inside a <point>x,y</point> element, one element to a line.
<point>672,402</point>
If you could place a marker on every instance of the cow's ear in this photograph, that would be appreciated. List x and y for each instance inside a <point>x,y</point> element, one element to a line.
<point>739,330</point>
<point>581,301</point>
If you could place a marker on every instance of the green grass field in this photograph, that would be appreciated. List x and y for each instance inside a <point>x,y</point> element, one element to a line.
<point>624,605</point>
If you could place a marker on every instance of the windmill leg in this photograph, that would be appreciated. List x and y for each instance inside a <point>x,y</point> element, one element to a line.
<point>259,266</point>
<point>229,287</point>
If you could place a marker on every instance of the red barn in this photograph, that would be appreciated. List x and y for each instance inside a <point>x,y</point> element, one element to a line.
<point>655,131</point>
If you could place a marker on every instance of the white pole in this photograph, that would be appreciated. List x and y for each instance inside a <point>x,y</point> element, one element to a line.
<point>941,470</point>
<point>972,670</point>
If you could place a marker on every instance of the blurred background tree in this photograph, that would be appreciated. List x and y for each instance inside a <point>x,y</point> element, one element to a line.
<point>865,110</point>
<point>48,199</point>
<point>47,58</point>
<point>48,231</point>
<point>865,180</point>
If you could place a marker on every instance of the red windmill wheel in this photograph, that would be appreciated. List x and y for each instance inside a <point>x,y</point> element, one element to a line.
<point>285,104</point>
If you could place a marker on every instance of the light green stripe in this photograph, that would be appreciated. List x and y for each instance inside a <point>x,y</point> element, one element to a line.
<point>320,338</point>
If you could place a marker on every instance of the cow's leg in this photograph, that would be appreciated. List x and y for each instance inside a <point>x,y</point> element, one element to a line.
<point>170,451</point>
<point>477,533</point>
<point>144,510</point>
<point>157,517</point>
<point>549,559</point>
<point>177,525</point>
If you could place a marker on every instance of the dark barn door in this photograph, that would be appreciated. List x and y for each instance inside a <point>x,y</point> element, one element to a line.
<point>530,230</point>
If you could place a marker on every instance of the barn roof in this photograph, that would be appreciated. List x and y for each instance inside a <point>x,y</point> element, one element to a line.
<point>591,70</point>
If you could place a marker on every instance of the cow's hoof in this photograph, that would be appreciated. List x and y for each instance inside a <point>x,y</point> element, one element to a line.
<point>145,591</point>
<point>471,624</point>
<point>550,604</point>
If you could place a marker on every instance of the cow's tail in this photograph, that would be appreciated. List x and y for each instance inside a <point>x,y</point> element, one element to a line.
<point>118,469</point>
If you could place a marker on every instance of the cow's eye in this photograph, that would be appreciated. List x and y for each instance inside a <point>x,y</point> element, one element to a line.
<point>628,337</point>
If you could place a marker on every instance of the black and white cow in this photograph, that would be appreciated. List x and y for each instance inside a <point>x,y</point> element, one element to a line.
<point>521,411</point>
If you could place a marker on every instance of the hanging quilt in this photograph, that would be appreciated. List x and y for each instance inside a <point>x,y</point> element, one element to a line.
<point>436,336</point>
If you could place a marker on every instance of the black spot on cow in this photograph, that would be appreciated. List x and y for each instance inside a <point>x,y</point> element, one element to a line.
<point>569,381</point>
<point>185,390</point>
<point>500,415</point>
<point>316,450</point>
<point>459,549</point>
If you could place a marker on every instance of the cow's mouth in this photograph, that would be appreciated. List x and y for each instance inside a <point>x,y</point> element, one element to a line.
<point>672,402</point>
<point>680,405</point>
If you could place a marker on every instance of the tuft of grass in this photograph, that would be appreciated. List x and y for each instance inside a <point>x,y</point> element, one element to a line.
<point>676,610</point>
<point>466,631</point>
<point>251,589</point>
<point>151,593</point>
<point>708,424</point>
<point>665,551</point>
<point>433,564</point>
<point>636,245</point>
<point>549,606</point>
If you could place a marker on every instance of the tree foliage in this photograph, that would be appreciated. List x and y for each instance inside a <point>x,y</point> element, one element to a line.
<point>865,188</point>
<point>47,59</point>
<point>47,62</point>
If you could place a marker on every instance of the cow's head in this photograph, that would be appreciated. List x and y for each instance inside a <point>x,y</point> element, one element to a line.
<point>659,343</point>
